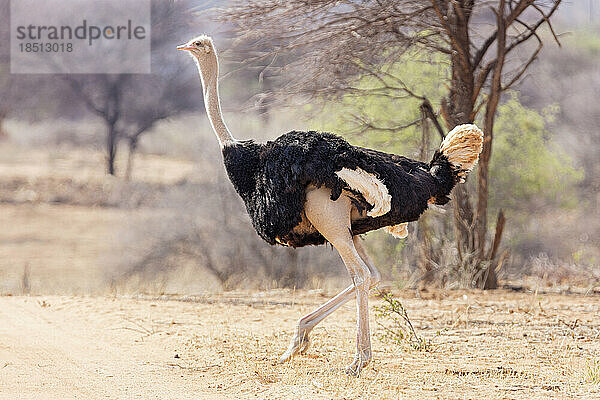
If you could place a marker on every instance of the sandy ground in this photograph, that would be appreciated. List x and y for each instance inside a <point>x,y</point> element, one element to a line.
<point>498,345</point>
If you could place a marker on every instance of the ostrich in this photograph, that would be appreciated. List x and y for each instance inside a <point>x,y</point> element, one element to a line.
<point>308,188</point>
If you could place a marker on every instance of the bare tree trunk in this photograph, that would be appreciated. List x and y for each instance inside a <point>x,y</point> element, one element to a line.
<point>471,224</point>
<point>491,281</point>
<point>132,149</point>
<point>111,148</point>
<point>423,230</point>
<point>458,110</point>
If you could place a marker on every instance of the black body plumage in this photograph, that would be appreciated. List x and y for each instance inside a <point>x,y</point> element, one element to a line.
<point>272,179</point>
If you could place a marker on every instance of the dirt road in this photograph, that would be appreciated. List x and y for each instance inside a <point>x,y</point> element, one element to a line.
<point>55,350</point>
<point>500,345</point>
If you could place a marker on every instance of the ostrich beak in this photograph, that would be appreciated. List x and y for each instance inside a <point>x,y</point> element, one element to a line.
<point>184,47</point>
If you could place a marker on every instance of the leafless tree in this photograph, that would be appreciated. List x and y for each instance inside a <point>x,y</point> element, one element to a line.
<point>322,46</point>
<point>131,104</point>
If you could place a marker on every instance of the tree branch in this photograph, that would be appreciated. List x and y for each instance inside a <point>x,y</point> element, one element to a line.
<point>531,31</point>
<point>78,88</point>
<point>427,109</point>
<point>524,68</point>
<point>514,14</point>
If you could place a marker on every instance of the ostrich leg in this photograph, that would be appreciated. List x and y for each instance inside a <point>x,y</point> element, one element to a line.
<point>375,275</point>
<point>332,220</point>
<point>300,342</point>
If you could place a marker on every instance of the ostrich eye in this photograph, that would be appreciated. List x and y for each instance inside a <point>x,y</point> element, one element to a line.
<point>198,44</point>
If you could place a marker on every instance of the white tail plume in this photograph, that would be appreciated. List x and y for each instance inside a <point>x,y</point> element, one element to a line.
<point>462,147</point>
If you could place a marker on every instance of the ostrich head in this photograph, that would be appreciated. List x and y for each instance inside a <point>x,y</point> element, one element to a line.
<point>201,48</point>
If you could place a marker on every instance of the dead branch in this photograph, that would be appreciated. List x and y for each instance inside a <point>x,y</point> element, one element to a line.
<point>501,220</point>
<point>427,109</point>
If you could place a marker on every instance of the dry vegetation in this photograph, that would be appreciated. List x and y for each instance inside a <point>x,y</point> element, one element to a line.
<point>70,228</point>
<point>66,228</point>
<point>61,217</point>
<point>495,345</point>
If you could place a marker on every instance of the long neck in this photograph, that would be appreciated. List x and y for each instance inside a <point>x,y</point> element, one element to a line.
<point>209,72</point>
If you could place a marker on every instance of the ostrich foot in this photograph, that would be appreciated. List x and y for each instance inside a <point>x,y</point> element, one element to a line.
<point>299,344</point>
<point>360,361</point>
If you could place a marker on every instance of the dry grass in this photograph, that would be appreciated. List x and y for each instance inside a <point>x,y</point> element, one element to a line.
<point>62,219</point>
<point>495,345</point>
<point>82,165</point>
<point>500,345</point>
